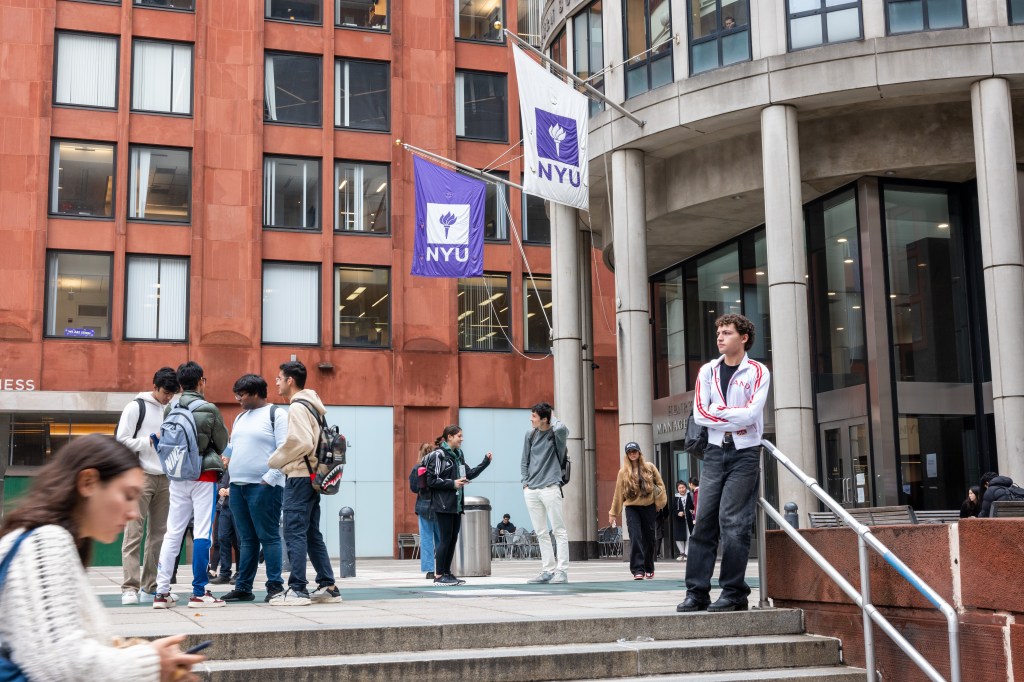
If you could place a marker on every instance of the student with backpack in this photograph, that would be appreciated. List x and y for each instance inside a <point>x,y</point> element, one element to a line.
<point>256,489</point>
<point>297,459</point>
<point>997,488</point>
<point>192,439</point>
<point>140,419</point>
<point>544,466</point>
<point>430,535</point>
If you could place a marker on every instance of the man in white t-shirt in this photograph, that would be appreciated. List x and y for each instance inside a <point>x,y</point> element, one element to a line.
<point>141,419</point>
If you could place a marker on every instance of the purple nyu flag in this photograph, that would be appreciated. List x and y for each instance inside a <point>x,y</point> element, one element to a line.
<point>449,222</point>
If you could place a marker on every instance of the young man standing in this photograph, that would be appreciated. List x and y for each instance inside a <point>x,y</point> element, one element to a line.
<point>256,489</point>
<point>301,503</point>
<point>543,455</point>
<point>194,499</point>
<point>141,419</point>
<point>730,396</point>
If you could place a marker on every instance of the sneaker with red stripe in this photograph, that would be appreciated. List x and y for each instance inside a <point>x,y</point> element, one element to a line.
<point>207,601</point>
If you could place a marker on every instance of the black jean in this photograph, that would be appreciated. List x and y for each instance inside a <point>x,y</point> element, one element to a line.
<point>301,507</point>
<point>640,523</point>
<point>448,526</point>
<point>226,545</point>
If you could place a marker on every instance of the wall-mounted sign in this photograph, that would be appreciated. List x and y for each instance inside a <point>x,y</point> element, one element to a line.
<point>670,417</point>
<point>79,332</point>
<point>17,384</point>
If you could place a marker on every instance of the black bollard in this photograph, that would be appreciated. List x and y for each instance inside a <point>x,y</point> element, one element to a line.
<point>792,514</point>
<point>347,542</point>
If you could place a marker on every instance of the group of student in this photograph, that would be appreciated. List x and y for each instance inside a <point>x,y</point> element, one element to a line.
<point>252,479</point>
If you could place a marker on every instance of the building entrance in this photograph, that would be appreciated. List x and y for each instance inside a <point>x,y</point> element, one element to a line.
<point>846,462</point>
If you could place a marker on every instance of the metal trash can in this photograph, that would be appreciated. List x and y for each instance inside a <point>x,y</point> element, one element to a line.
<point>473,550</point>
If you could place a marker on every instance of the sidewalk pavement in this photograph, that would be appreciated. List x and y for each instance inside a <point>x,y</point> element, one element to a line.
<point>388,592</point>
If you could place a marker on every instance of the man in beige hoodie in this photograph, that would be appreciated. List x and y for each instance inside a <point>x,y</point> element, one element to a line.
<point>296,458</point>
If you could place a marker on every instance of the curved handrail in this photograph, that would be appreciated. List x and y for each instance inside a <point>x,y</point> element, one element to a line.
<point>866,540</point>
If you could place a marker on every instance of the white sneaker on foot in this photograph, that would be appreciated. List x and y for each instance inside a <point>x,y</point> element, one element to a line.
<point>326,595</point>
<point>290,598</point>
<point>129,597</point>
<point>559,578</point>
<point>544,577</point>
<point>207,601</point>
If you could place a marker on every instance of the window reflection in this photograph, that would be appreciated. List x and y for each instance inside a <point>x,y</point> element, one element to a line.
<point>485,313</point>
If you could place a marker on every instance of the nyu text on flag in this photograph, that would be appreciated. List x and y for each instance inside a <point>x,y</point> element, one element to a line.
<point>449,222</point>
<point>555,119</point>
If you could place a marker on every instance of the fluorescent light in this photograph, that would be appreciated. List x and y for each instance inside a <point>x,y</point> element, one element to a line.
<point>465,314</point>
<point>759,273</point>
<point>379,300</point>
<point>942,226</point>
<point>529,315</point>
<point>831,293</point>
<point>841,240</point>
<point>382,186</point>
<point>548,304</point>
<point>847,260</point>
<point>725,286</point>
<point>355,294</point>
<point>856,307</point>
<point>343,183</point>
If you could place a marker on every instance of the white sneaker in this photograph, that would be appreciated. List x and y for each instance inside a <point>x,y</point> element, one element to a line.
<point>207,601</point>
<point>559,578</point>
<point>541,579</point>
<point>129,597</point>
<point>326,595</point>
<point>289,598</point>
<point>145,597</point>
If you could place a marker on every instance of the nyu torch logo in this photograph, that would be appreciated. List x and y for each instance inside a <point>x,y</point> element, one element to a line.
<point>448,232</point>
<point>558,141</point>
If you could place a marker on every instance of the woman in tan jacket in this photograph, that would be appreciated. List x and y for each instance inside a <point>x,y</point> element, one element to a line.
<point>640,490</point>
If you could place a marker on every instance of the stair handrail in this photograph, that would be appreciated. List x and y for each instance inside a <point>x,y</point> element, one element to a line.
<point>865,540</point>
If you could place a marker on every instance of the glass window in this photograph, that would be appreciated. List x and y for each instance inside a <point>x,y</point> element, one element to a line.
<point>167,4</point>
<point>86,70</point>
<point>906,16</point>
<point>939,458</point>
<point>496,209</point>
<point>78,294</point>
<point>361,196</point>
<point>481,111</point>
<point>362,14</point>
<point>485,320</point>
<point>82,179</point>
<point>754,275</point>
<point>291,303</point>
<point>1016,9</point>
<point>559,49</point>
<point>669,334</point>
<point>361,95</point>
<point>927,286</point>
<point>719,33</point>
<point>528,21</point>
<point>291,193</point>
<point>306,11</point>
<point>33,438</point>
<point>159,184</point>
<point>713,289</point>
<point>818,22</point>
<point>648,43</point>
<point>478,19</point>
<point>362,309</point>
<point>836,292</point>
<point>588,49</point>
<point>536,223</point>
<point>292,89</point>
<point>162,77</point>
<point>156,299</point>
<point>537,325</point>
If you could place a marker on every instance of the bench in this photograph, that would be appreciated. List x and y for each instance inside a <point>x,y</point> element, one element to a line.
<point>1007,509</point>
<point>869,516</point>
<point>943,516</point>
<point>410,541</point>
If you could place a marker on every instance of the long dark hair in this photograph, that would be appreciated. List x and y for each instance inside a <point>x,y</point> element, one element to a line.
<point>449,430</point>
<point>978,495</point>
<point>54,499</point>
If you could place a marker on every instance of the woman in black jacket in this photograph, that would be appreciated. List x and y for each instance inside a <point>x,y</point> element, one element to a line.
<point>680,531</point>
<point>447,473</point>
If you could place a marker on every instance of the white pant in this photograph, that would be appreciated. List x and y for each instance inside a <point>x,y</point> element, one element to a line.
<point>190,500</point>
<point>545,505</point>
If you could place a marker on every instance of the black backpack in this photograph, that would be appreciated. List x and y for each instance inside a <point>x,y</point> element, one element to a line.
<point>695,438</point>
<point>330,452</point>
<point>564,460</point>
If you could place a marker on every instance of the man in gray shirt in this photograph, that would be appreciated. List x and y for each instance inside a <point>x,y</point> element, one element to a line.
<point>543,456</point>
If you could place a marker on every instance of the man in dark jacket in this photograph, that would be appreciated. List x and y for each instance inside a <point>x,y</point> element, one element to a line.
<point>996,488</point>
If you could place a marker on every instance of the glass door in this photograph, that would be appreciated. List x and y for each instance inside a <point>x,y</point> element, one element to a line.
<point>846,462</point>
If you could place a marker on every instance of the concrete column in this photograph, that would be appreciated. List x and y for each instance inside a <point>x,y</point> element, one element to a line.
<point>589,400</point>
<point>565,294</point>
<point>632,302</point>
<point>787,297</point>
<point>1002,258</point>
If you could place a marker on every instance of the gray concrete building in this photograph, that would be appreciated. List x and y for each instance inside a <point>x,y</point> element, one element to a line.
<point>845,174</point>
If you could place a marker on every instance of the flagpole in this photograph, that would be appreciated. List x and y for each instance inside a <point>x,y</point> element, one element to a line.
<point>591,90</point>
<point>469,170</point>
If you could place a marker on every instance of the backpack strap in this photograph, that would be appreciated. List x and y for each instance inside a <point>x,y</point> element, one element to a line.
<point>6,563</point>
<point>142,416</point>
<point>322,423</point>
<point>273,411</point>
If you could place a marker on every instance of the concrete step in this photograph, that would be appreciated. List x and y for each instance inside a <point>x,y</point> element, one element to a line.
<point>244,643</point>
<point>516,663</point>
<point>835,673</point>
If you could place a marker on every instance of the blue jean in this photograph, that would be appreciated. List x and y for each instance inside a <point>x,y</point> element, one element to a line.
<point>429,537</point>
<point>302,535</point>
<point>725,512</point>
<point>257,510</point>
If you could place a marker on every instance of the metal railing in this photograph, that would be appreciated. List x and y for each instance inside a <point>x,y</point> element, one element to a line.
<point>866,540</point>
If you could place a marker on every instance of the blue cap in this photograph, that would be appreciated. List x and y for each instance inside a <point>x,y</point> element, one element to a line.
<point>632,446</point>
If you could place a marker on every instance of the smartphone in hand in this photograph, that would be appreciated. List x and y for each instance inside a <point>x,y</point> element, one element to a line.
<point>154,440</point>
<point>199,647</point>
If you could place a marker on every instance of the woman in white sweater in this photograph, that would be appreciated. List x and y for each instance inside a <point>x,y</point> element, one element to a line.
<point>53,626</point>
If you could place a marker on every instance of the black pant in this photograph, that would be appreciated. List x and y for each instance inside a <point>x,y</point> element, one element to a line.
<point>640,522</point>
<point>449,526</point>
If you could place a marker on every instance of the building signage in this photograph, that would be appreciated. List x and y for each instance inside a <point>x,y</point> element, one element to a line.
<point>17,384</point>
<point>670,417</point>
<point>78,332</point>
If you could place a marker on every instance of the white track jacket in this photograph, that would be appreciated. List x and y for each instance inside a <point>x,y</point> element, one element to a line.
<point>741,412</point>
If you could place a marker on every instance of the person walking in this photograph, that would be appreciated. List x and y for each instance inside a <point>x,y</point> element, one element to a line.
<point>53,626</point>
<point>729,400</point>
<point>544,455</point>
<point>429,534</point>
<point>295,458</point>
<point>139,422</point>
<point>640,491</point>
<point>447,476</point>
